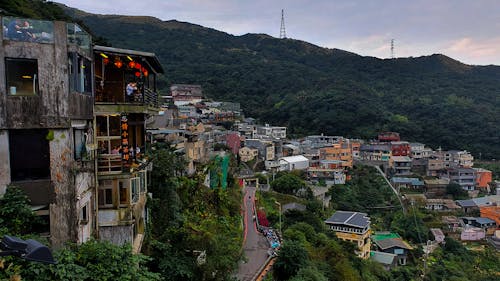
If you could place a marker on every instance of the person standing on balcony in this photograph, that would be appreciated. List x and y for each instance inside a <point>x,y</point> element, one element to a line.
<point>131,89</point>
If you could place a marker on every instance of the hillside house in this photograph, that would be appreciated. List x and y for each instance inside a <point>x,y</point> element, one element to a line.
<point>407,183</point>
<point>340,151</point>
<point>419,151</point>
<point>483,178</point>
<point>388,137</point>
<point>290,163</point>
<point>248,154</point>
<point>444,205</point>
<point>465,177</point>
<point>183,94</point>
<point>120,114</point>
<point>379,152</point>
<point>392,243</point>
<point>401,165</point>
<point>435,187</point>
<point>400,148</point>
<point>271,132</point>
<point>354,227</point>
<point>488,225</point>
<point>47,145</point>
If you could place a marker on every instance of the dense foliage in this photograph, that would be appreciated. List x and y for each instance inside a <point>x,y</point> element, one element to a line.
<point>92,260</point>
<point>196,231</point>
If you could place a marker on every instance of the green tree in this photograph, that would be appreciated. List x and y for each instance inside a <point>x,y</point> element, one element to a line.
<point>455,190</point>
<point>292,257</point>
<point>309,274</point>
<point>16,216</point>
<point>288,183</point>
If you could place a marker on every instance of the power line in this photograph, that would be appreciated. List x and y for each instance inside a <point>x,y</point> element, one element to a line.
<point>282,28</point>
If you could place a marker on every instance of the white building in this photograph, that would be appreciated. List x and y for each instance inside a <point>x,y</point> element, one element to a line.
<point>290,163</point>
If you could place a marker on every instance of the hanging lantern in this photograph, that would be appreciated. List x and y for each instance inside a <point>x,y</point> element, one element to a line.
<point>143,69</point>
<point>145,72</point>
<point>118,63</point>
<point>105,61</point>
<point>138,74</point>
<point>131,64</point>
<point>138,65</point>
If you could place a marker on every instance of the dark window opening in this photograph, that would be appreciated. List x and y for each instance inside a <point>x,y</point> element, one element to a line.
<point>80,74</point>
<point>21,76</point>
<point>29,154</point>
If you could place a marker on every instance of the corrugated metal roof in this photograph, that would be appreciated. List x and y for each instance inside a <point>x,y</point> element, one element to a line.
<point>354,219</point>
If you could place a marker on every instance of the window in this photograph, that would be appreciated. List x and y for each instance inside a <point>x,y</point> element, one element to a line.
<point>124,193</point>
<point>21,76</point>
<point>84,214</point>
<point>29,154</point>
<point>80,73</point>
<point>134,186</point>
<point>143,177</point>
<point>105,196</point>
<point>79,143</point>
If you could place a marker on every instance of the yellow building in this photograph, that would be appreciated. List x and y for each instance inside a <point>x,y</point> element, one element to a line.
<point>354,227</point>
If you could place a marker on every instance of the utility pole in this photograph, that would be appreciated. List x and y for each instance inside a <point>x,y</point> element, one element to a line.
<point>392,48</point>
<point>282,28</point>
<point>279,204</point>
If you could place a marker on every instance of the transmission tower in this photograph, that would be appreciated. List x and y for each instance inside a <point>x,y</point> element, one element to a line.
<point>392,48</point>
<point>282,28</point>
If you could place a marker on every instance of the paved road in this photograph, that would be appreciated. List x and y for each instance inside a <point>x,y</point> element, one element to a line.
<point>255,245</point>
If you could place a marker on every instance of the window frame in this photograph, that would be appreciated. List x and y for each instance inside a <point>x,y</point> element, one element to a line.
<point>8,81</point>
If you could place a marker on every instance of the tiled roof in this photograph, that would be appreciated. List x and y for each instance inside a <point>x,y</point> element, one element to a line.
<point>391,243</point>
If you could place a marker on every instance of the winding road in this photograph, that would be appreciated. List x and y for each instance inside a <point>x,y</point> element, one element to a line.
<point>255,245</point>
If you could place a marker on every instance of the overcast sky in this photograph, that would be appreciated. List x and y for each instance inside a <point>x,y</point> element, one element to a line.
<point>466,30</point>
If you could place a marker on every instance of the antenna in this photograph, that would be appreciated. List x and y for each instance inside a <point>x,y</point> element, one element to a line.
<point>392,48</point>
<point>282,28</point>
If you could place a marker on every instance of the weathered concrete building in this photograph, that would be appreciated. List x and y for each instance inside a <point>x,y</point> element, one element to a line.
<point>46,123</point>
<point>125,96</point>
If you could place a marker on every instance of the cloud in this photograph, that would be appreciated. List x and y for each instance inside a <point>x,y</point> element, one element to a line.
<point>475,50</point>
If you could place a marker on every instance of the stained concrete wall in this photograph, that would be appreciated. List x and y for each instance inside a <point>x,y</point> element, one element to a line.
<point>53,108</point>
<point>4,163</point>
<point>54,105</point>
<point>118,235</point>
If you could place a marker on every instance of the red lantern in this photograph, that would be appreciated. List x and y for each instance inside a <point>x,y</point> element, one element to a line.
<point>137,74</point>
<point>105,61</point>
<point>138,65</point>
<point>131,64</point>
<point>145,72</point>
<point>118,63</point>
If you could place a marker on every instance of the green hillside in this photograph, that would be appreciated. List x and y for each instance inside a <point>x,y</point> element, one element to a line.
<point>434,99</point>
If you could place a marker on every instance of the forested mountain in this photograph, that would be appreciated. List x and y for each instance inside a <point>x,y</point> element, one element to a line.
<point>432,99</point>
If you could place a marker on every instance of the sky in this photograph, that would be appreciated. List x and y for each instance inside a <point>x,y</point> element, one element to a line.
<point>466,30</point>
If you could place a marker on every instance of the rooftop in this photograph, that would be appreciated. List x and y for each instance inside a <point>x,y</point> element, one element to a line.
<point>296,158</point>
<point>392,243</point>
<point>354,219</point>
<point>381,235</point>
<point>383,258</point>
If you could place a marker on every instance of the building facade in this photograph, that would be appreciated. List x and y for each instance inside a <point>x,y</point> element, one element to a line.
<point>46,124</point>
<point>354,227</point>
<point>125,96</point>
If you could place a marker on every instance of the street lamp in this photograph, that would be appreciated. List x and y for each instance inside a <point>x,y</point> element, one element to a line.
<point>279,204</point>
<point>30,249</point>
